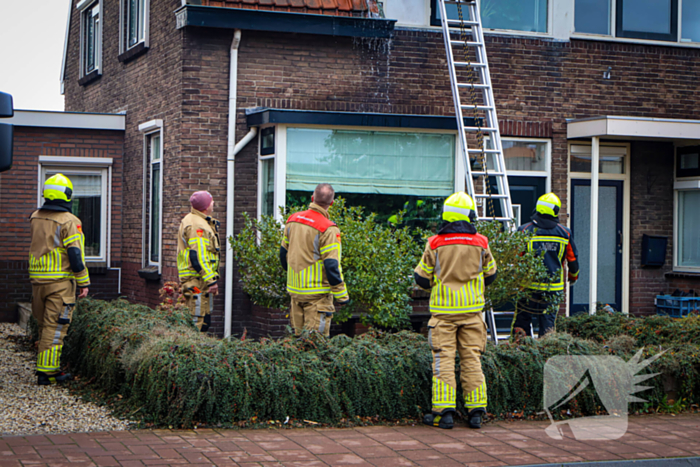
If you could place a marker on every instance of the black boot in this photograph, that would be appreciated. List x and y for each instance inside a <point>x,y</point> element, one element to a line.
<point>443,420</point>
<point>475,417</point>
<point>45,380</point>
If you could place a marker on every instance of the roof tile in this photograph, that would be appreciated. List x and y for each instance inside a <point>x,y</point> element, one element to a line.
<point>326,7</point>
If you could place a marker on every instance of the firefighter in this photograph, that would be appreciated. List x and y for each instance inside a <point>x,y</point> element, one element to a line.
<point>555,243</point>
<point>310,253</point>
<point>56,268</point>
<point>457,265</point>
<point>198,251</point>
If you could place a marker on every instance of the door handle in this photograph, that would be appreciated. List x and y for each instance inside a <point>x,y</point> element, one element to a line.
<point>619,241</point>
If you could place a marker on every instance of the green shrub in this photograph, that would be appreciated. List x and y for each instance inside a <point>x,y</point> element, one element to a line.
<point>377,263</point>
<point>171,375</point>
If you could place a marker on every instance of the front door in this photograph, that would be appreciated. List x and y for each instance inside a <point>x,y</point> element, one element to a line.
<point>609,242</point>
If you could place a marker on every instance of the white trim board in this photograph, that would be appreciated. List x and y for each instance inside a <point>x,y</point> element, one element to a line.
<point>77,120</point>
<point>76,161</point>
<point>633,127</point>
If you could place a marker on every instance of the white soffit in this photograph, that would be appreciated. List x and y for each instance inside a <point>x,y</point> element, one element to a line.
<point>633,127</point>
<point>87,121</point>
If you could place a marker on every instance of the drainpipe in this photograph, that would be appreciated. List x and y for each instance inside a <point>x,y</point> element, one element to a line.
<point>232,150</point>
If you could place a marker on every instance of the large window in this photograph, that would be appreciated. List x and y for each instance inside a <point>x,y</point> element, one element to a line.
<point>91,38</point>
<point>90,197</point>
<point>639,19</point>
<point>380,170</point>
<point>688,230</point>
<point>515,15</point>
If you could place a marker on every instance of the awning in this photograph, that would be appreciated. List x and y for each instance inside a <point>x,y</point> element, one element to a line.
<point>632,128</point>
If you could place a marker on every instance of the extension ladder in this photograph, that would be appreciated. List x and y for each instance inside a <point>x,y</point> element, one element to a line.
<point>465,37</point>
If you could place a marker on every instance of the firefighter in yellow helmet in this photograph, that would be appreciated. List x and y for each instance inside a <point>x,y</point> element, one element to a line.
<point>311,253</point>
<point>457,264</point>
<point>556,244</point>
<point>56,268</point>
<point>198,252</point>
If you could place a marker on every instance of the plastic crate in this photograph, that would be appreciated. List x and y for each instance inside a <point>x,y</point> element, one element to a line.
<point>677,307</point>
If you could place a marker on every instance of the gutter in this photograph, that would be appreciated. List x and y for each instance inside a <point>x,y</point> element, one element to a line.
<point>232,150</point>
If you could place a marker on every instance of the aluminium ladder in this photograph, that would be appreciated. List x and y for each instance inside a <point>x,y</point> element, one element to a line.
<point>470,78</point>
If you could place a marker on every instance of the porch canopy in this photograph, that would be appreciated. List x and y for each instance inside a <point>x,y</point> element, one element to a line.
<point>627,128</point>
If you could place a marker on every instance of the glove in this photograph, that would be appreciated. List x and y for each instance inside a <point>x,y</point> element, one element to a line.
<point>346,302</point>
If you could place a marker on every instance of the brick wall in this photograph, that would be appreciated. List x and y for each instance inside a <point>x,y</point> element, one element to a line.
<point>18,199</point>
<point>183,79</point>
<point>146,88</point>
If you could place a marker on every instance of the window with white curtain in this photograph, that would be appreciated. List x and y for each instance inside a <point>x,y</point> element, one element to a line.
<point>134,23</point>
<point>155,196</point>
<point>90,192</point>
<point>91,38</point>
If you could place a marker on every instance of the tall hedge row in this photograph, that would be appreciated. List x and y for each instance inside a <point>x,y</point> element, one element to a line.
<point>173,376</point>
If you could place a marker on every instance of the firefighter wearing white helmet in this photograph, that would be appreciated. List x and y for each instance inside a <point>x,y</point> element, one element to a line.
<point>556,244</point>
<point>456,266</point>
<point>56,269</point>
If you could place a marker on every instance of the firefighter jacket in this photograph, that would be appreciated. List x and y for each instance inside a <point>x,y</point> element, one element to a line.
<point>456,264</point>
<point>555,243</point>
<point>311,254</point>
<point>198,248</point>
<point>57,250</point>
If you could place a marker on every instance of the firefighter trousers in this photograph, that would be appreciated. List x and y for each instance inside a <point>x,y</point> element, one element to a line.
<point>531,307</point>
<point>199,301</point>
<point>52,307</point>
<point>449,334</point>
<point>312,314</point>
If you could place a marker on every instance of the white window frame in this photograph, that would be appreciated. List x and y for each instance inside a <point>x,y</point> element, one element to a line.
<point>149,130</point>
<point>68,166</point>
<point>280,157</point>
<point>88,7</point>
<point>124,25</point>
<point>681,184</point>
<point>547,172</point>
<point>613,31</point>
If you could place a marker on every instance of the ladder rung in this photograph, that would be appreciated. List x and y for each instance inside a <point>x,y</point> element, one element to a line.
<point>504,219</point>
<point>490,174</point>
<point>474,64</point>
<point>478,107</point>
<point>475,86</point>
<point>469,43</point>
<point>481,195</point>
<point>485,129</point>
<point>465,23</point>
<point>455,2</point>
<point>485,151</point>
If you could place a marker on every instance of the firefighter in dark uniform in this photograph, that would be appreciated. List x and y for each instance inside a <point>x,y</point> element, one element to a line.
<point>556,245</point>
<point>56,268</point>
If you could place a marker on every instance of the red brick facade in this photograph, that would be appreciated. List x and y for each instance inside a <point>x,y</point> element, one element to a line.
<point>538,83</point>
<point>18,199</point>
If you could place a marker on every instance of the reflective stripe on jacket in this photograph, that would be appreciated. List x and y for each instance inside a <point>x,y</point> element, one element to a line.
<point>310,238</point>
<point>198,248</point>
<point>556,245</point>
<point>53,233</point>
<point>455,264</point>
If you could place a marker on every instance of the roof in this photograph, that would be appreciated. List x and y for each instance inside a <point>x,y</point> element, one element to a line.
<point>360,8</point>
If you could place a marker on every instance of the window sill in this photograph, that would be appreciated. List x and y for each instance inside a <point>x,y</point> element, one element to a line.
<point>89,78</point>
<point>134,52</point>
<point>150,273</point>
<point>682,275</point>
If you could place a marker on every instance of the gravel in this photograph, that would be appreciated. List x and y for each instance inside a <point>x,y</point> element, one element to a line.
<point>26,408</point>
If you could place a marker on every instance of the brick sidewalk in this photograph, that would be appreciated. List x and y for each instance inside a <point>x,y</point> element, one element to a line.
<point>502,443</point>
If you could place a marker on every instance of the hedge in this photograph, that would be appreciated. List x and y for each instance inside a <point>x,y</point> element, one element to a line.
<point>170,375</point>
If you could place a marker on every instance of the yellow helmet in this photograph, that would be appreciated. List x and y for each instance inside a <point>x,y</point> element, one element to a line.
<point>548,204</point>
<point>58,187</point>
<point>458,207</point>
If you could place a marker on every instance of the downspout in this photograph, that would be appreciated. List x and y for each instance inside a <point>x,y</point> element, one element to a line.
<point>232,150</point>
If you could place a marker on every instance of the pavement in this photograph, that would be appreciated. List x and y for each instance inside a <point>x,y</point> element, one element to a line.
<point>498,443</point>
